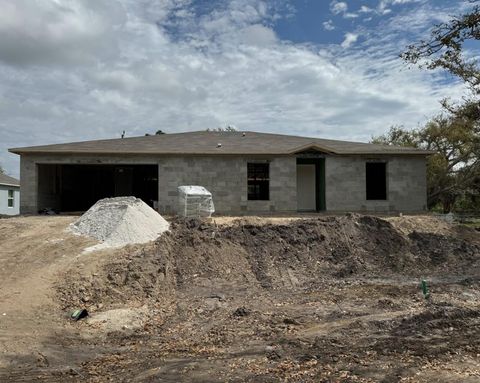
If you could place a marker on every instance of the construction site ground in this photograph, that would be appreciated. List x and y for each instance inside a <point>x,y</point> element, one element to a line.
<point>253,299</point>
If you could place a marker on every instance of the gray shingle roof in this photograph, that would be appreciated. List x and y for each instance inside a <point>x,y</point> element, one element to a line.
<point>7,180</point>
<point>203,142</point>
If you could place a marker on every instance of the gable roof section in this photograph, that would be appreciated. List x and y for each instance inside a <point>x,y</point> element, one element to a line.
<point>8,181</point>
<point>203,142</point>
<point>312,146</point>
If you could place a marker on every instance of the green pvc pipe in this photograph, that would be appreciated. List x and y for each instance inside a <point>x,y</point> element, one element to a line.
<point>425,291</point>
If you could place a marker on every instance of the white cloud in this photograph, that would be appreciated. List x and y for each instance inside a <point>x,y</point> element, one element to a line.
<point>328,25</point>
<point>146,65</point>
<point>382,8</point>
<point>54,31</point>
<point>350,38</point>
<point>394,2</point>
<point>257,35</point>
<point>337,7</point>
<point>365,9</point>
<point>383,5</point>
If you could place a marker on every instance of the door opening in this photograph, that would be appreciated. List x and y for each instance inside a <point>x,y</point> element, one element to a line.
<point>310,184</point>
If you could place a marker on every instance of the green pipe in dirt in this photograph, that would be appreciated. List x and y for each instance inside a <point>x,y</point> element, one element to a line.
<point>425,291</point>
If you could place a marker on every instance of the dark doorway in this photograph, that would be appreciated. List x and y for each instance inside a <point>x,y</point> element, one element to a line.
<point>311,184</point>
<point>123,181</point>
<point>376,180</point>
<point>72,188</point>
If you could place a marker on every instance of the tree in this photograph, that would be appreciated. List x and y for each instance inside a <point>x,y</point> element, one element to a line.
<point>157,133</point>
<point>445,49</point>
<point>1,170</point>
<point>453,172</point>
<point>228,128</point>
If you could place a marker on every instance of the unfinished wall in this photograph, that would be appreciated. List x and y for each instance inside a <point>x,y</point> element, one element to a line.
<point>225,177</point>
<point>28,185</point>
<point>346,184</point>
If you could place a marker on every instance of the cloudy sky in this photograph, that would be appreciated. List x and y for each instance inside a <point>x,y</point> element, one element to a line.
<point>73,70</point>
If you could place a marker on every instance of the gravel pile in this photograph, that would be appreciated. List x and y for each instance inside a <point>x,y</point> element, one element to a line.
<point>120,221</point>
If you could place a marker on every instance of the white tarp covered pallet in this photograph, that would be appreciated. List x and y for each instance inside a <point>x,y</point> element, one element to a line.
<point>195,201</point>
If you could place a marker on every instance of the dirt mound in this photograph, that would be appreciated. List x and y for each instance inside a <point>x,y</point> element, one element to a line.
<point>434,250</point>
<point>425,223</point>
<point>297,255</point>
<point>119,221</point>
<point>133,277</point>
<point>325,299</point>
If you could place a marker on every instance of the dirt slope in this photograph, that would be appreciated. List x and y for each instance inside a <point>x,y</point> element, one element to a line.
<point>308,300</point>
<point>32,251</point>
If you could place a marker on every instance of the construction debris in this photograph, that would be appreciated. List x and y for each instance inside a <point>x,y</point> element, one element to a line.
<point>195,201</point>
<point>79,314</point>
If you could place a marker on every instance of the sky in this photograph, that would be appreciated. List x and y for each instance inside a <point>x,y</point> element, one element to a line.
<point>76,70</point>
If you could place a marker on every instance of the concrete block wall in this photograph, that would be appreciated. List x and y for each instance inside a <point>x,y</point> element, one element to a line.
<point>28,185</point>
<point>345,180</point>
<point>226,178</point>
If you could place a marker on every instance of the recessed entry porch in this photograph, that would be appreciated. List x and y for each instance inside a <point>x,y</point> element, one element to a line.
<point>310,184</point>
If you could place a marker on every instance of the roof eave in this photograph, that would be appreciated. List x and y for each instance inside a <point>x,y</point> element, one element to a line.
<point>47,152</point>
<point>400,153</point>
<point>324,149</point>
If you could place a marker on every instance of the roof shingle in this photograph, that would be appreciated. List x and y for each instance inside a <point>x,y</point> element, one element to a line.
<point>9,181</point>
<point>204,142</point>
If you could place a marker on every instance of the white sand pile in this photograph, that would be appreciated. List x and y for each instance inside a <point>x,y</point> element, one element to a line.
<point>120,221</point>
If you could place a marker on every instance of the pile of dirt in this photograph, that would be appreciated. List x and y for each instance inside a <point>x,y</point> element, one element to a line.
<point>307,300</point>
<point>136,275</point>
<point>299,255</point>
<point>119,221</point>
<point>424,223</point>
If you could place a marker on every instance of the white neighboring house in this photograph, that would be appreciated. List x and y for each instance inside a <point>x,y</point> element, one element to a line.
<point>9,195</point>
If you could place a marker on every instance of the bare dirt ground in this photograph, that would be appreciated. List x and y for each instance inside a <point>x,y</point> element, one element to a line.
<point>327,299</point>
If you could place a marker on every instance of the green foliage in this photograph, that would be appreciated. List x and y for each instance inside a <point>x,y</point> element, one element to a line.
<point>453,172</point>
<point>157,133</point>
<point>445,47</point>
<point>228,128</point>
<point>399,136</point>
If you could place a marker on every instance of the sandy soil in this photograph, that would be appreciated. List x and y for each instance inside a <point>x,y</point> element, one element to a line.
<point>32,250</point>
<point>334,299</point>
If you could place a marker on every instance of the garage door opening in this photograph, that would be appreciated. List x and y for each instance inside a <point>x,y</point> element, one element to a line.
<point>75,188</point>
